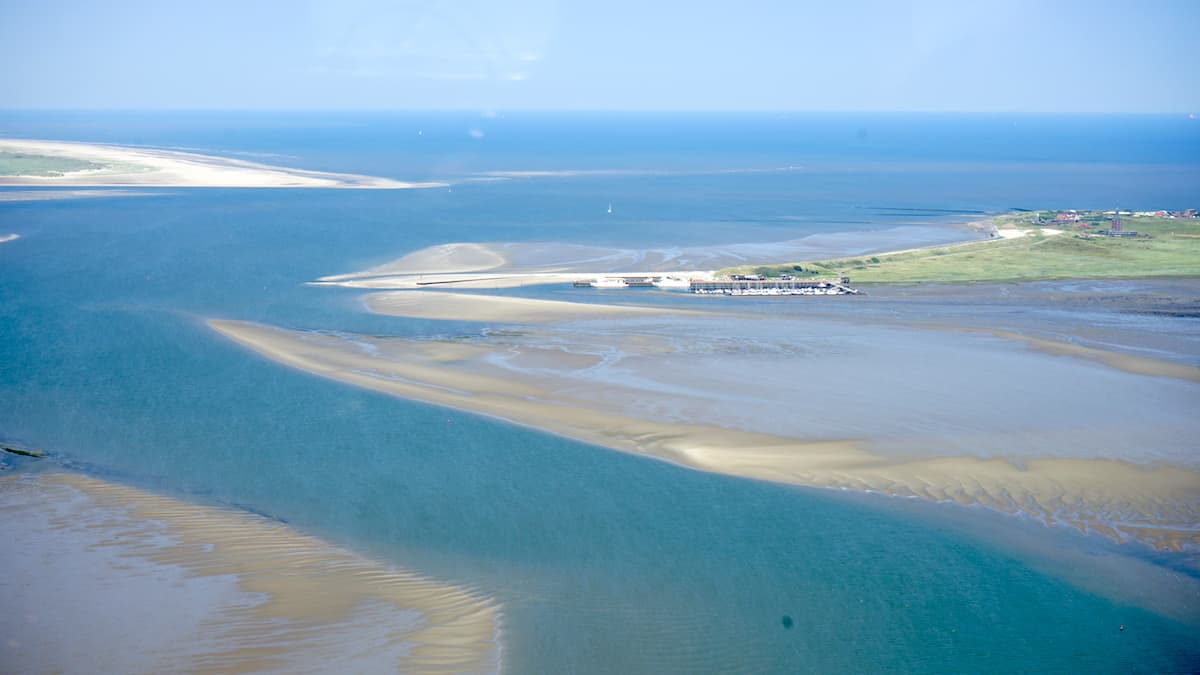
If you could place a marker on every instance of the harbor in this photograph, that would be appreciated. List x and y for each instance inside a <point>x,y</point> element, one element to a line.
<point>752,285</point>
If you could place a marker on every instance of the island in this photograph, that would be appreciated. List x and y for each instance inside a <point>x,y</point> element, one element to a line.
<point>1029,246</point>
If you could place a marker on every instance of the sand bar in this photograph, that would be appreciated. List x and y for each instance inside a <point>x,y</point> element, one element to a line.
<point>474,281</point>
<point>204,589</point>
<point>499,308</point>
<point>126,166</point>
<point>1156,503</point>
<point>1129,363</point>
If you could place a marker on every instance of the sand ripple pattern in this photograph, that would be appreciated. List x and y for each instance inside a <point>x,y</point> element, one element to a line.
<point>303,603</point>
<point>1157,503</point>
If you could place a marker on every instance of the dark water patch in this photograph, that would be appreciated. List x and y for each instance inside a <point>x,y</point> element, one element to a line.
<point>908,210</point>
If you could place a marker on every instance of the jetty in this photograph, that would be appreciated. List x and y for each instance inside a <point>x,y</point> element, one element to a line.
<point>771,287</point>
<point>738,285</point>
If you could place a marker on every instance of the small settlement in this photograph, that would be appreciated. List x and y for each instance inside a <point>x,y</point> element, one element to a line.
<point>1087,222</point>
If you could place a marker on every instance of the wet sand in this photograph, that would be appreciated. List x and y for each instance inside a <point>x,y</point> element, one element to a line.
<point>125,167</point>
<point>498,308</point>
<point>686,411</point>
<point>1139,365</point>
<point>203,589</point>
<point>881,397</point>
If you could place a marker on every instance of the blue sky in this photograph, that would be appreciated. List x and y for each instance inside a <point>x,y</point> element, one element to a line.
<point>936,55</point>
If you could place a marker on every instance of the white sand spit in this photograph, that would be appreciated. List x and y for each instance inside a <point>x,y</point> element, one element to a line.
<point>125,166</point>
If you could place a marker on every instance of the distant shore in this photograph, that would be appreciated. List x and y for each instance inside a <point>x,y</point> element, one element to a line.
<point>117,166</point>
<point>1012,249</point>
<point>474,265</point>
<point>1027,247</point>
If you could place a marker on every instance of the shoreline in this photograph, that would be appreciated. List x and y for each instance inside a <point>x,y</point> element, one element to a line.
<point>144,167</point>
<point>497,265</point>
<point>247,593</point>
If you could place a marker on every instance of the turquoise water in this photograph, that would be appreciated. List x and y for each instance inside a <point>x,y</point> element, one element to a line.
<point>603,562</point>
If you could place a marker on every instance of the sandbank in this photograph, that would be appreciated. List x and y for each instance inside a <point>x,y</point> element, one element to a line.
<point>475,266</point>
<point>498,308</point>
<point>101,577</point>
<point>1129,363</point>
<point>1155,503</point>
<point>444,259</point>
<point>126,166</point>
<point>467,280</point>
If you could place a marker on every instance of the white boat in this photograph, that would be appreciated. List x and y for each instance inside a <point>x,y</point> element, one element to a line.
<point>671,282</point>
<point>609,282</point>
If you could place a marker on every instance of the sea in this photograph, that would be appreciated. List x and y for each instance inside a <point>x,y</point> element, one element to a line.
<point>602,562</point>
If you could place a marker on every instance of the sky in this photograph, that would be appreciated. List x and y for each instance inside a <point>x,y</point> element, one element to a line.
<point>787,55</point>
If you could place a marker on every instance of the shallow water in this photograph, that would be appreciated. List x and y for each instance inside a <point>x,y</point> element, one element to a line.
<point>602,562</point>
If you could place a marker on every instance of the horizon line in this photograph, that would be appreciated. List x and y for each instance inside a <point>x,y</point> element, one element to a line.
<point>497,111</point>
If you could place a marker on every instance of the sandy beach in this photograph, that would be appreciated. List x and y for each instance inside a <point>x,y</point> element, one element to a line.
<point>657,403</point>
<point>204,589</point>
<point>126,166</point>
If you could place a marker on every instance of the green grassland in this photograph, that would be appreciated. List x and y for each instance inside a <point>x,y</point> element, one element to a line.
<point>22,164</point>
<point>1164,247</point>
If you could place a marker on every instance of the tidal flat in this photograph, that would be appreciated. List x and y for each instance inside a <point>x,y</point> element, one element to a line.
<point>814,392</point>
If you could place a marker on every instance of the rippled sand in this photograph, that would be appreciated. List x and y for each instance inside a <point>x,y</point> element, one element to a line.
<point>792,411</point>
<point>99,577</point>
